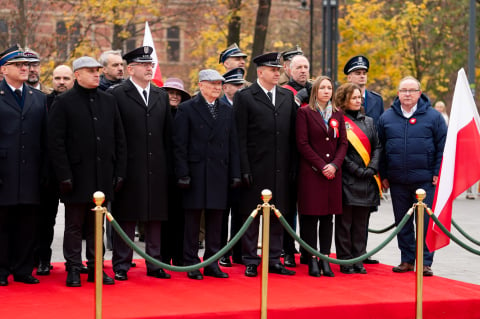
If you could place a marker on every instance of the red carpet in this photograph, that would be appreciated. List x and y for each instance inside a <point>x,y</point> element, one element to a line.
<point>379,294</point>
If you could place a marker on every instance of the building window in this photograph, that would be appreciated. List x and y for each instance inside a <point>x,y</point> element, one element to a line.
<point>62,44</point>
<point>173,44</point>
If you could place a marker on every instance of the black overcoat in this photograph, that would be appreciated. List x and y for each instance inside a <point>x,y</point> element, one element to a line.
<point>207,151</point>
<point>361,191</point>
<point>22,146</point>
<point>144,195</point>
<point>86,142</point>
<point>267,145</point>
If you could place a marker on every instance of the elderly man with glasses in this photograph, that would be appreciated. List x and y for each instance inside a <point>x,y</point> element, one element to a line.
<point>413,135</point>
<point>22,151</point>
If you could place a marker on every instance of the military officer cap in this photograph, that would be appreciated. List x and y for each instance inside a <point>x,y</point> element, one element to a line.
<point>230,52</point>
<point>268,59</point>
<point>234,76</point>
<point>355,63</point>
<point>13,54</point>
<point>289,54</point>
<point>32,55</point>
<point>139,55</point>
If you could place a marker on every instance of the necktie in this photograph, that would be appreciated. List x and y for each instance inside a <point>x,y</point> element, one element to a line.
<point>270,96</point>
<point>18,93</point>
<point>146,97</point>
<point>213,110</point>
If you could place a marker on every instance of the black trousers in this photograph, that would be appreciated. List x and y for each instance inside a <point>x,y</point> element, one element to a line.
<point>315,228</point>
<point>213,226</point>
<point>350,239</point>
<point>17,239</point>
<point>123,254</point>
<point>49,198</point>
<point>172,229</point>
<point>235,223</point>
<point>76,215</point>
<point>250,242</point>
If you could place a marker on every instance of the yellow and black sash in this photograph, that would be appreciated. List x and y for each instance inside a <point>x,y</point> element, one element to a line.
<point>361,143</point>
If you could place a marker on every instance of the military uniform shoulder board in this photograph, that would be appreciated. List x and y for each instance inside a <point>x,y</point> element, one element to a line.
<point>375,93</point>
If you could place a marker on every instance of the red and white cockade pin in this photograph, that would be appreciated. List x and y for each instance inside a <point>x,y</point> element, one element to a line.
<point>334,124</point>
<point>413,120</point>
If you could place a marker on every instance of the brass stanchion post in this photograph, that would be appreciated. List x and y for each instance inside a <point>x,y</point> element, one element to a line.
<point>98,199</point>
<point>420,194</point>
<point>266,196</point>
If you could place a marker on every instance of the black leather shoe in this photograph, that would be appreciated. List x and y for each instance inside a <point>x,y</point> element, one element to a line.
<point>195,274</point>
<point>280,269</point>
<point>121,275</point>
<point>347,269</point>
<point>214,272</point>
<point>3,281</point>
<point>84,269</point>
<point>359,269</point>
<point>313,269</point>
<point>289,260</point>
<point>251,271</point>
<point>73,279</point>
<point>43,269</point>
<point>370,261</point>
<point>159,273</point>
<point>225,261</point>
<point>28,279</point>
<point>304,259</point>
<point>106,279</point>
<point>133,264</point>
<point>325,268</point>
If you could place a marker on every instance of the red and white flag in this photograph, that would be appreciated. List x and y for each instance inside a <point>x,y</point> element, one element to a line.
<point>148,40</point>
<point>460,167</point>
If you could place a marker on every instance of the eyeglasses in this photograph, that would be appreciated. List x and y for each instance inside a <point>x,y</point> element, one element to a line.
<point>19,64</point>
<point>34,64</point>
<point>145,65</point>
<point>405,91</point>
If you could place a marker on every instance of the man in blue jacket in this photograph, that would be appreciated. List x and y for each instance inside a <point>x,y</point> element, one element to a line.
<point>413,135</point>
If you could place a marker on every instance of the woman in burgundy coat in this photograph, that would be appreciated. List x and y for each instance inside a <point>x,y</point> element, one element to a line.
<point>322,143</point>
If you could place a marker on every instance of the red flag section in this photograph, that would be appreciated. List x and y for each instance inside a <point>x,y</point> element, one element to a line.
<point>148,40</point>
<point>461,160</point>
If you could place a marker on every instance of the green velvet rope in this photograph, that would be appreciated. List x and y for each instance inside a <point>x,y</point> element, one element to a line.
<point>381,231</point>
<point>314,252</point>
<point>450,235</point>
<point>205,263</point>
<point>473,240</point>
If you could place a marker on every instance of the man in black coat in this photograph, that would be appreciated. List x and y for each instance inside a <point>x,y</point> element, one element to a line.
<point>49,194</point>
<point>22,151</point>
<point>265,115</point>
<point>206,164</point>
<point>88,151</point>
<point>146,119</point>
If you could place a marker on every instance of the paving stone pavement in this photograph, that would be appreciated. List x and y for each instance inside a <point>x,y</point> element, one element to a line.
<point>452,262</point>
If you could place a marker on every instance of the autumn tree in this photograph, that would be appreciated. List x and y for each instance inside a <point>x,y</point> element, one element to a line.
<point>424,38</point>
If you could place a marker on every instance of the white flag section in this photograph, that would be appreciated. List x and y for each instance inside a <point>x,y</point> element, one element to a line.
<point>460,167</point>
<point>148,41</point>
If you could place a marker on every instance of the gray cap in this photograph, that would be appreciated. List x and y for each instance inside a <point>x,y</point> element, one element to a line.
<point>85,62</point>
<point>210,75</point>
